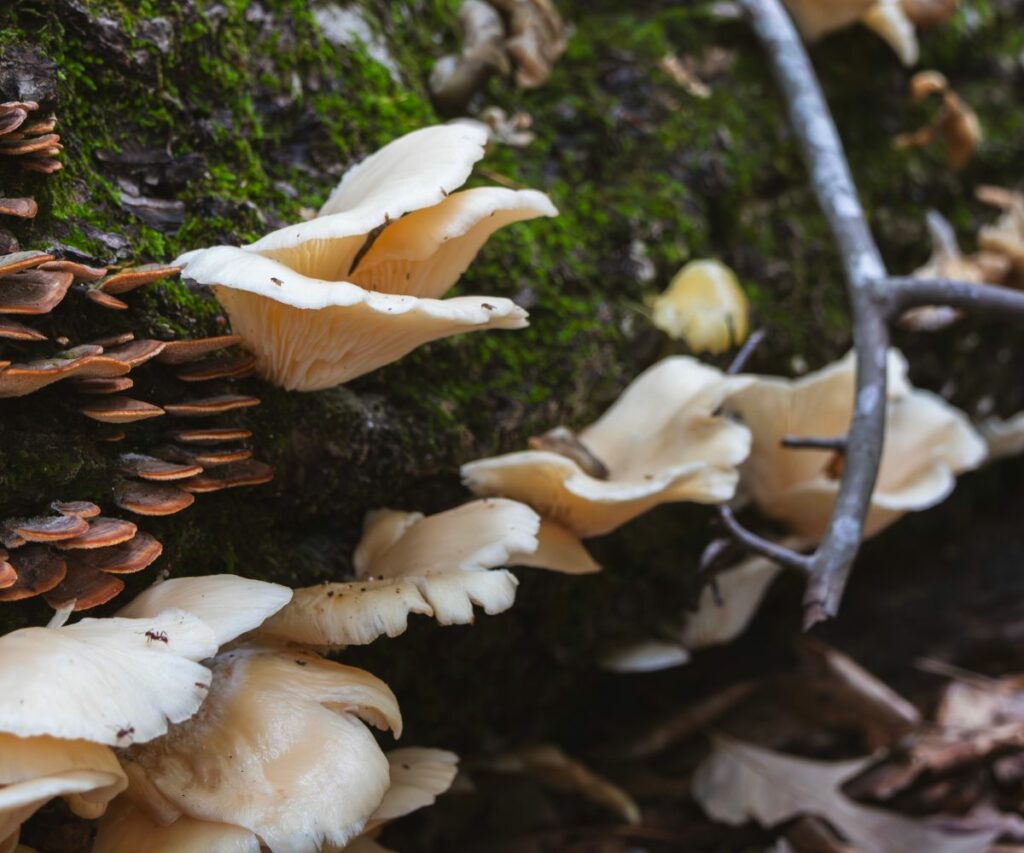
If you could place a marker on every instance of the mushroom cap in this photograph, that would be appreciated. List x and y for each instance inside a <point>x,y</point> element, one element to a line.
<point>558,550</point>
<point>112,681</point>
<point>720,619</point>
<point>704,306</point>
<point>646,656</point>
<point>889,19</point>
<point>417,170</point>
<point>661,442</point>
<point>324,301</point>
<point>313,334</point>
<point>478,535</point>
<point>927,443</point>
<point>418,777</point>
<point>248,758</point>
<point>127,828</point>
<point>37,769</point>
<point>409,563</point>
<point>229,605</point>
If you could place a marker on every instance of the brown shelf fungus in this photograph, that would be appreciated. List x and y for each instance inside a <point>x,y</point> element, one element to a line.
<point>247,758</point>
<point>28,137</point>
<point>927,443</point>
<point>661,442</point>
<point>359,286</point>
<point>439,565</point>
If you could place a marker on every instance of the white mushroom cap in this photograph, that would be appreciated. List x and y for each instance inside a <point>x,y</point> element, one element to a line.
<point>230,605</point>
<point>661,442</point>
<point>418,777</point>
<point>927,443</point>
<point>741,590</point>
<point>35,770</point>
<point>126,828</point>
<point>558,550</point>
<point>113,681</point>
<point>324,301</point>
<point>279,748</point>
<point>410,563</point>
<point>418,170</point>
<point>310,334</point>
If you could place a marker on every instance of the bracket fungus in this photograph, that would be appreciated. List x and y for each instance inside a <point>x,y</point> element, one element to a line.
<point>888,18</point>
<point>927,443</point>
<point>705,307</point>
<point>29,138</point>
<point>438,565</point>
<point>661,442</point>
<point>247,758</point>
<point>359,286</point>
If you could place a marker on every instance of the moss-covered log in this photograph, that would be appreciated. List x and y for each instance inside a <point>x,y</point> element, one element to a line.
<point>233,117</point>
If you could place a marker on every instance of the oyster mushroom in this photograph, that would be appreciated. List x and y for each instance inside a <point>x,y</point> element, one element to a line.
<point>247,758</point>
<point>34,770</point>
<point>927,443</point>
<point>661,442</point>
<point>324,301</point>
<point>1005,238</point>
<point>705,307</point>
<point>417,777</point>
<point>438,565</point>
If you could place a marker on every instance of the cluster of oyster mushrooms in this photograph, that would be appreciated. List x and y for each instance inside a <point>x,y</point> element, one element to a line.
<point>183,722</point>
<point>28,137</point>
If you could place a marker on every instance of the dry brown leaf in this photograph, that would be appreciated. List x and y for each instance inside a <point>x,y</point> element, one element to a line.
<point>739,782</point>
<point>550,766</point>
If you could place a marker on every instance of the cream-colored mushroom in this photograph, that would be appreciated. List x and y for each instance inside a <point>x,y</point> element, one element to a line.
<point>928,442</point>
<point>324,301</point>
<point>660,442</point>
<point>417,777</point>
<point>723,613</point>
<point>230,605</point>
<point>704,306</point>
<point>439,565</point>
<point>121,680</point>
<point>1004,238</point>
<point>279,748</point>
<point>817,18</point>
<point>34,770</point>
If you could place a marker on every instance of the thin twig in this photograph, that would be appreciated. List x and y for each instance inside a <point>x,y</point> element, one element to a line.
<point>746,351</point>
<point>876,299</point>
<point>862,263</point>
<point>901,293</point>
<point>760,545</point>
<point>800,442</point>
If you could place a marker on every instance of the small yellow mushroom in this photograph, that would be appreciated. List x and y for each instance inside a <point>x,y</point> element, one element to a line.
<point>705,307</point>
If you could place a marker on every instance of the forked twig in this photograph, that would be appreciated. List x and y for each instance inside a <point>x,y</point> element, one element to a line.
<point>876,300</point>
